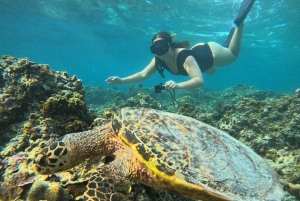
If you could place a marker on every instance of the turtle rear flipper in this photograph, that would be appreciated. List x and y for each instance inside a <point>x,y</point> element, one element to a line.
<point>103,188</point>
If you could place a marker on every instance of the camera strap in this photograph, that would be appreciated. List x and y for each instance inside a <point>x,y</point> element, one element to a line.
<point>172,94</point>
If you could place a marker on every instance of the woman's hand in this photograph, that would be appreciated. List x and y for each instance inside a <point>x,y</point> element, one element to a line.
<point>114,80</point>
<point>171,85</point>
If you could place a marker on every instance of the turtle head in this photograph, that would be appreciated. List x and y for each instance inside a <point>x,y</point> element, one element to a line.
<point>74,148</point>
<point>54,158</point>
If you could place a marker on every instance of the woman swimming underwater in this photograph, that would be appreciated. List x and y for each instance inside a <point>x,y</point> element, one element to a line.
<point>201,58</point>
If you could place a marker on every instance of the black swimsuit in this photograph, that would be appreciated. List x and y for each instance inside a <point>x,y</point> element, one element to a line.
<point>201,53</point>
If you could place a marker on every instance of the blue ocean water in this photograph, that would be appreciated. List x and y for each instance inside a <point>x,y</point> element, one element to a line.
<point>95,39</point>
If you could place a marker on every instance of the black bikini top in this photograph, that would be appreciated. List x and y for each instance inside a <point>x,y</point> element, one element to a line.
<point>161,65</point>
<point>201,53</point>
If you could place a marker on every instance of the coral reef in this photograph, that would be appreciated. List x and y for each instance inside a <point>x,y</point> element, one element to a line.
<point>297,92</point>
<point>26,84</point>
<point>16,176</point>
<point>100,99</point>
<point>287,165</point>
<point>100,96</point>
<point>188,109</point>
<point>270,123</point>
<point>111,97</point>
<point>38,105</point>
<point>141,100</point>
<point>43,190</point>
<point>208,101</point>
<point>200,100</point>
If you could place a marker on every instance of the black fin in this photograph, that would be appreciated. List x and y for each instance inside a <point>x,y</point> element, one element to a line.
<point>229,37</point>
<point>244,10</point>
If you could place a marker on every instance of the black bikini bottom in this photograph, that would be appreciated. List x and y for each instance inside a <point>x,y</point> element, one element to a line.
<point>203,56</point>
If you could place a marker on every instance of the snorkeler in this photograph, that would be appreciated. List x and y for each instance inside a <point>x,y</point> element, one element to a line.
<point>179,60</point>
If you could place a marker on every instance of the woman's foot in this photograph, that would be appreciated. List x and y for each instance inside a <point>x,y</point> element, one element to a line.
<point>244,10</point>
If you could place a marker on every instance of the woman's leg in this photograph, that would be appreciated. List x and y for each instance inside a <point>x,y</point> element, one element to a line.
<point>236,41</point>
<point>224,56</point>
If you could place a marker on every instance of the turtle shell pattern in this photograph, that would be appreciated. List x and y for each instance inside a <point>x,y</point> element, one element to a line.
<point>176,146</point>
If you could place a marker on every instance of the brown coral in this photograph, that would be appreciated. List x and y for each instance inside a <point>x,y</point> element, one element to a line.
<point>25,84</point>
<point>43,190</point>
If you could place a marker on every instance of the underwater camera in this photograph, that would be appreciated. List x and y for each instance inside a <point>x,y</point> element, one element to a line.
<point>159,87</point>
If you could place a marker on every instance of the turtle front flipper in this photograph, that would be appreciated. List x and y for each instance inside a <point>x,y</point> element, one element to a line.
<point>103,188</point>
<point>112,181</point>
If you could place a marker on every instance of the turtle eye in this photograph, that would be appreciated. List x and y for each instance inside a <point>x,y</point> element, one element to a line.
<point>109,159</point>
<point>42,160</point>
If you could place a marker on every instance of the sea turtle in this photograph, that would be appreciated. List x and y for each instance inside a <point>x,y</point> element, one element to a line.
<point>165,151</point>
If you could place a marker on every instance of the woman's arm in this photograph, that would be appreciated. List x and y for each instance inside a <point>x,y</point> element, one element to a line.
<point>138,77</point>
<point>195,74</point>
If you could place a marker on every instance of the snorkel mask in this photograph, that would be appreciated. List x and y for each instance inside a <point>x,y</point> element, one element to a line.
<point>160,47</point>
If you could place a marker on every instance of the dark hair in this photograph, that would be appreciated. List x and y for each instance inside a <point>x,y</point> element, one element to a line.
<point>166,36</point>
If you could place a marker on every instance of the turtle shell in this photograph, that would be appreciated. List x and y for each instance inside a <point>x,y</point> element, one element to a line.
<point>185,151</point>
